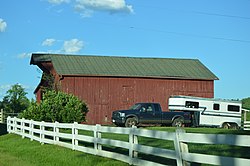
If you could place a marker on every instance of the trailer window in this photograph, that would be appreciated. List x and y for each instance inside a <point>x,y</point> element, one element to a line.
<point>233,108</point>
<point>216,106</point>
<point>191,104</point>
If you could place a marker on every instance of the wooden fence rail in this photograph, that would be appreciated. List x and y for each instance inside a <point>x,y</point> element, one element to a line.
<point>50,133</point>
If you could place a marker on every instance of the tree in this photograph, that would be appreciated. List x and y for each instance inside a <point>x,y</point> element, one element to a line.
<point>57,106</point>
<point>246,103</point>
<point>15,100</point>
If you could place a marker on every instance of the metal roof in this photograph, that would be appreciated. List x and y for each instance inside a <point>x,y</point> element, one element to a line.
<point>125,66</point>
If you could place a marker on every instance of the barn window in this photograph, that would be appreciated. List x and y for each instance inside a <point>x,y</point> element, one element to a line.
<point>191,104</point>
<point>216,106</point>
<point>233,108</point>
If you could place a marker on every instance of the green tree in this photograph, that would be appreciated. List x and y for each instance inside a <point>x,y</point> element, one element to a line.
<point>246,103</point>
<point>57,106</point>
<point>15,100</point>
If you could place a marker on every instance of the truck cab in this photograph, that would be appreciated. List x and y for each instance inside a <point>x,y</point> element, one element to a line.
<point>148,113</point>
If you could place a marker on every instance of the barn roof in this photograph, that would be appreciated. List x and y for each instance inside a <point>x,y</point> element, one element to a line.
<point>125,66</point>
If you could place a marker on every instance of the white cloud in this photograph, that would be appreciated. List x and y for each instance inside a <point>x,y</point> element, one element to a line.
<point>88,7</point>
<point>48,42</point>
<point>72,46</point>
<point>3,25</point>
<point>68,46</point>
<point>24,55</point>
<point>58,2</point>
<point>112,6</point>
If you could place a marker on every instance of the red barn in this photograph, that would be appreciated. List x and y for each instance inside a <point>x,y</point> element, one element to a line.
<point>108,83</point>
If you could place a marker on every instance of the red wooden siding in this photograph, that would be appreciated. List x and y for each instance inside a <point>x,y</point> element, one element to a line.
<point>106,94</point>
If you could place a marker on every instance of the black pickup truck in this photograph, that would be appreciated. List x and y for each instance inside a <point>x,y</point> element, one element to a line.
<point>149,113</point>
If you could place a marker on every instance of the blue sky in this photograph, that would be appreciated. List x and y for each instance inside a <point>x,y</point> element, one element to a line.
<point>214,31</point>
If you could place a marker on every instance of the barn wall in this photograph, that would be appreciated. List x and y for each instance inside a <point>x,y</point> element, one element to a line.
<point>104,95</point>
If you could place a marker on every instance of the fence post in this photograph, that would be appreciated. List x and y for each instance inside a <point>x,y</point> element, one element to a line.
<point>42,133</point>
<point>15,125</point>
<point>177,148</point>
<point>1,116</point>
<point>180,147</point>
<point>56,132</point>
<point>8,124</point>
<point>97,136</point>
<point>133,140</point>
<point>31,130</point>
<point>74,135</point>
<point>22,127</point>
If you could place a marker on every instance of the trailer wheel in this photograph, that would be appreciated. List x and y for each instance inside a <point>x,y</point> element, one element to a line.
<point>131,122</point>
<point>234,126</point>
<point>225,125</point>
<point>178,122</point>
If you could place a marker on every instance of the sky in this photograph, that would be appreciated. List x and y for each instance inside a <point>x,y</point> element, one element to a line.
<point>217,32</point>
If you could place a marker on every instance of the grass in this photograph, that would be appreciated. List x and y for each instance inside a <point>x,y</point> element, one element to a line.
<point>16,151</point>
<point>248,116</point>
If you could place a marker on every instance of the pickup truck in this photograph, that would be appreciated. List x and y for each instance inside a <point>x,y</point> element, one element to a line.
<point>149,113</point>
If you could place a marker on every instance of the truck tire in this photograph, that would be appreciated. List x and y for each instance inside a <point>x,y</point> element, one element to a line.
<point>178,122</point>
<point>131,122</point>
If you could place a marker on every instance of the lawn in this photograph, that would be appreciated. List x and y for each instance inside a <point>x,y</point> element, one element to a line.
<point>17,151</point>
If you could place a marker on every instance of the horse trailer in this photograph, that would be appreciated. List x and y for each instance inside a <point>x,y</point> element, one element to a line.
<point>208,111</point>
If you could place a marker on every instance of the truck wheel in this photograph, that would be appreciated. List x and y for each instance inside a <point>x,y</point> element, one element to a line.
<point>178,122</point>
<point>130,122</point>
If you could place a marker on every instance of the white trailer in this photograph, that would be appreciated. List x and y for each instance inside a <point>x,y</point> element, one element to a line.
<point>208,111</point>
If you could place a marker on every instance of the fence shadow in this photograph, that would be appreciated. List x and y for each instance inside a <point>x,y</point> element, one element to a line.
<point>3,129</point>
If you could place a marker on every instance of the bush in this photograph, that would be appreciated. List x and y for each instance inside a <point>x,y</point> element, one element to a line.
<point>57,106</point>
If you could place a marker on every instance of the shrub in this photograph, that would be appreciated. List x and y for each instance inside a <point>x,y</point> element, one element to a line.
<point>57,106</point>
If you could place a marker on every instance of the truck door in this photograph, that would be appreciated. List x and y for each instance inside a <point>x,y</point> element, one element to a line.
<point>149,114</point>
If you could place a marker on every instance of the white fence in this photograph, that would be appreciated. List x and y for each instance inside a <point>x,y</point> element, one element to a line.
<point>50,133</point>
<point>1,116</point>
<point>246,125</point>
<point>4,115</point>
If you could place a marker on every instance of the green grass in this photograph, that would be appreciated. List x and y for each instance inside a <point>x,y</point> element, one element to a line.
<point>248,116</point>
<point>17,151</point>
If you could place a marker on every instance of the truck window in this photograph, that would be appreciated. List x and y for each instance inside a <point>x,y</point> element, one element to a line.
<point>191,104</point>
<point>143,108</point>
<point>233,108</point>
<point>157,107</point>
<point>149,109</point>
<point>135,107</point>
<point>146,108</point>
<point>216,106</point>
